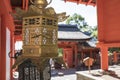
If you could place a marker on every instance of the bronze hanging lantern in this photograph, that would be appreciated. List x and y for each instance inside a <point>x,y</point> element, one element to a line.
<point>39,30</point>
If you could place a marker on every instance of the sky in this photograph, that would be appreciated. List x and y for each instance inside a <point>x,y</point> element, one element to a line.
<point>88,12</point>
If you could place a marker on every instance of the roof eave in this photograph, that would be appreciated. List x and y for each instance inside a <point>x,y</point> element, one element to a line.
<point>76,40</point>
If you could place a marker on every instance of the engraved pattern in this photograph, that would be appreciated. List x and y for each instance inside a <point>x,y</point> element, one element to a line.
<point>44,38</point>
<point>54,38</point>
<point>44,30</point>
<point>37,32</point>
<point>27,36</point>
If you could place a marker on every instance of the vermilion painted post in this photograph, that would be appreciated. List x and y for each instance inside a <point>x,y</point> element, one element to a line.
<point>26,6</point>
<point>3,49</point>
<point>23,4</point>
<point>76,58</point>
<point>0,47</point>
<point>68,56</point>
<point>115,57</point>
<point>103,48</point>
<point>104,57</point>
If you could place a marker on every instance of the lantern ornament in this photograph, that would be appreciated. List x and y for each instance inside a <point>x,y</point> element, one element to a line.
<point>39,30</point>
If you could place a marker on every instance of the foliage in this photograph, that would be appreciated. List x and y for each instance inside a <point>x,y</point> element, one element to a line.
<point>78,20</point>
<point>60,52</point>
<point>82,25</point>
<point>112,49</point>
<point>94,32</point>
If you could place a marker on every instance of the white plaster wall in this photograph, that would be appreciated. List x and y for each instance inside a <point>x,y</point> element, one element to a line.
<point>7,51</point>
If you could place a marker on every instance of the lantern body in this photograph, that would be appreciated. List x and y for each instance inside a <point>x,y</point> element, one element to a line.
<point>40,36</point>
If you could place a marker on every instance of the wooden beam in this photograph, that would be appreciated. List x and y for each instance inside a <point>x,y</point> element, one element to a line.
<point>80,1</point>
<point>75,1</point>
<point>89,2</point>
<point>115,44</point>
<point>18,30</point>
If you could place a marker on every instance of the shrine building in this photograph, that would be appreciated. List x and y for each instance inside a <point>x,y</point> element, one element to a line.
<point>75,44</point>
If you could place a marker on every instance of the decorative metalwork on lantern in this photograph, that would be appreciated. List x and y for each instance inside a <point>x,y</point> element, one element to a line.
<point>40,35</point>
<point>40,26</point>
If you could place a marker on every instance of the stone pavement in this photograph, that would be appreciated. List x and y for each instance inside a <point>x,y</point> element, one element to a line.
<point>113,73</point>
<point>70,74</point>
<point>65,77</point>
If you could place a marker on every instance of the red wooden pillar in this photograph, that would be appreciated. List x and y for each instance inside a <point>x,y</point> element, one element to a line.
<point>101,35</point>
<point>25,4</point>
<point>104,57</point>
<point>3,50</point>
<point>115,56</point>
<point>76,58</point>
<point>5,37</point>
<point>108,27</point>
<point>0,46</point>
<point>68,56</point>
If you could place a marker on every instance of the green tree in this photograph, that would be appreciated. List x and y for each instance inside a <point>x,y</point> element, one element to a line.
<point>112,49</point>
<point>94,32</point>
<point>78,20</point>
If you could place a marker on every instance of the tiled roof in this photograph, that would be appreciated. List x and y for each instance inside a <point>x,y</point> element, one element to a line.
<point>65,27</point>
<point>71,32</point>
